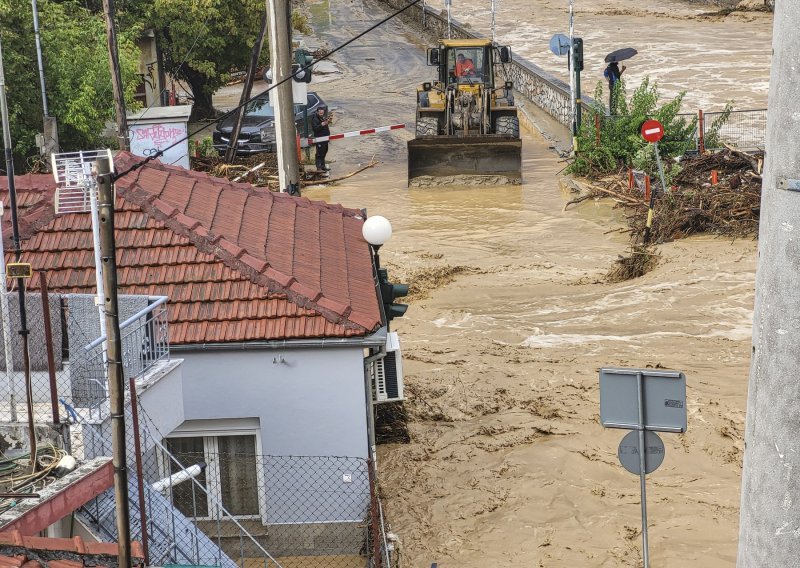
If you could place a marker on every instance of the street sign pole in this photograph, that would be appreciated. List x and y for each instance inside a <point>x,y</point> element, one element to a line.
<point>653,131</point>
<point>660,399</point>
<point>642,468</point>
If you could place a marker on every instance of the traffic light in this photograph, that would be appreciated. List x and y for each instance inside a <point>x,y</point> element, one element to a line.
<point>302,59</point>
<point>389,292</point>
<point>577,50</point>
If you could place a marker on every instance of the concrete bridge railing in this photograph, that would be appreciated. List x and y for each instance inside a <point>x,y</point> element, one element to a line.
<point>531,81</point>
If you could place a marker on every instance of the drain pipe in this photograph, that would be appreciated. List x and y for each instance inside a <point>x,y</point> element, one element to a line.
<point>368,361</point>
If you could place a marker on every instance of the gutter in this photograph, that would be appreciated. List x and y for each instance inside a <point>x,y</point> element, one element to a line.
<point>377,339</point>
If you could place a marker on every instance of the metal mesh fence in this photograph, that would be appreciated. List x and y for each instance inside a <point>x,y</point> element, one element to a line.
<point>194,500</point>
<point>743,129</point>
<point>68,373</point>
<point>213,500</point>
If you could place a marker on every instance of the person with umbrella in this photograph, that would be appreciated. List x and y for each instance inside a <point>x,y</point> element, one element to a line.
<point>613,73</point>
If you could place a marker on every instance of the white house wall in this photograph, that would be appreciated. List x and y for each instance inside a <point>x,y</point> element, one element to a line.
<point>308,401</point>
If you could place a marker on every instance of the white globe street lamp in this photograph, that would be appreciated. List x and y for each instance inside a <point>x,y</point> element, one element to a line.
<point>377,230</point>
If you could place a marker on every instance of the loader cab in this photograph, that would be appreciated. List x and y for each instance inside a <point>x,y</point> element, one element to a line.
<point>467,65</point>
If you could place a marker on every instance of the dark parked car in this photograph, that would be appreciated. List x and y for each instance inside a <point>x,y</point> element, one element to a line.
<point>258,128</point>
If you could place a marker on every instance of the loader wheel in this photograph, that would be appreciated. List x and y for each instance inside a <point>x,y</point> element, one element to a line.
<point>508,125</point>
<point>427,126</point>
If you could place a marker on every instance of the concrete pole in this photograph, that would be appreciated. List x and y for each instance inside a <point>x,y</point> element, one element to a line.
<point>116,76</point>
<point>116,378</point>
<point>281,97</point>
<point>50,130</point>
<point>769,524</point>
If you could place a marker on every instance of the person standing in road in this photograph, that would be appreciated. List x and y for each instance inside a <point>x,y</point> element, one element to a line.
<point>612,74</point>
<point>319,124</point>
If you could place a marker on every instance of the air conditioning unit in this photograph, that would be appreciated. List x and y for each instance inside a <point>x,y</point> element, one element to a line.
<point>387,373</point>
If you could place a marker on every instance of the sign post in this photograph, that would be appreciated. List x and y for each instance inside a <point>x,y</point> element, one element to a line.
<point>645,401</point>
<point>653,131</point>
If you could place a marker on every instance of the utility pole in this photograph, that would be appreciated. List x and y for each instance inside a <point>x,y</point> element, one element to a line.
<point>768,522</point>
<point>572,97</point>
<point>116,379</point>
<point>116,77</point>
<point>50,126</point>
<point>230,152</point>
<point>283,102</point>
<point>23,315</point>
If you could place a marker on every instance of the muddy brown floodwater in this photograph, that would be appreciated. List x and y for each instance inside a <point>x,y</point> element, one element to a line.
<point>508,464</point>
<point>714,59</point>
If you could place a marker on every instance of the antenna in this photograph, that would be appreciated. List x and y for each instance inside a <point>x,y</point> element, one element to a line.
<point>76,192</point>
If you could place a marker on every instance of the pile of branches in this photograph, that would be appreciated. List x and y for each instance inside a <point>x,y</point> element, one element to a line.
<point>731,207</point>
<point>260,169</point>
<point>694,205</point>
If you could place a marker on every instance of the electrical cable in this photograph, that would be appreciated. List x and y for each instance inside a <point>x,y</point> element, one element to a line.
<point>160,153</point>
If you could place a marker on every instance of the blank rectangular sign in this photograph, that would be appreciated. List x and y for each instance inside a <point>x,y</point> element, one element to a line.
<point>664,395</point>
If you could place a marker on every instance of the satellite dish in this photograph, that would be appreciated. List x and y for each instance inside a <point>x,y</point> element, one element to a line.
<point>559,45</point>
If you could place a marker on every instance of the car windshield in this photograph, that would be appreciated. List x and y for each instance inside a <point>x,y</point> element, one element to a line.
<point>260,107</point>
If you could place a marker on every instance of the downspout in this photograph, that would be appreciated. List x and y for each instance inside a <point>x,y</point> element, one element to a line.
<point>368,361</point>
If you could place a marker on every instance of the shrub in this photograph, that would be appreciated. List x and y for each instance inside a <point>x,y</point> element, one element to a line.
<point>620,142</point>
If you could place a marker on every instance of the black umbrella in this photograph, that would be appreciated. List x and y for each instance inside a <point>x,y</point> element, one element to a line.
<point>621,55</point>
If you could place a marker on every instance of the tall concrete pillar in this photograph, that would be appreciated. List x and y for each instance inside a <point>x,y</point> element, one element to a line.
<point>769,533</point>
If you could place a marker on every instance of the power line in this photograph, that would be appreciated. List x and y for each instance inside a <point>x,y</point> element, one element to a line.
<point>160,153</point>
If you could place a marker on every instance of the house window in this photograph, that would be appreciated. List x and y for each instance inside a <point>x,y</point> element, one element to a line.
<point>230,476</point>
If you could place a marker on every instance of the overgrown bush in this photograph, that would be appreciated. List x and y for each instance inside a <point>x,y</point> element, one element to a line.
<point>620,143</point>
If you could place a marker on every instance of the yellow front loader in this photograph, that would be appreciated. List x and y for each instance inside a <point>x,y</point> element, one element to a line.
<point>467,128</point>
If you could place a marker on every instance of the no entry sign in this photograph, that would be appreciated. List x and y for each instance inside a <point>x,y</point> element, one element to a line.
<point>652,131</point>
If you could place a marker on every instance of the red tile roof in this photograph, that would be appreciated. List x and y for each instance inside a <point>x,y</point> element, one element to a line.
<point>17,551</point>
<point>238,263</point>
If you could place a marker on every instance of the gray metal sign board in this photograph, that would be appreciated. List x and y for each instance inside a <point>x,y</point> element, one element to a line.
<point>559,45</point>
<point>663,394</point>
<point>628,452</point>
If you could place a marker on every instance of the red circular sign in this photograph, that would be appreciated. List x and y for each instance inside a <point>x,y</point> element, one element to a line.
<point>652,131</point>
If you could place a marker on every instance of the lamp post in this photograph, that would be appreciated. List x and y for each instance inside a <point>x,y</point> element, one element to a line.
<point>377,231</point>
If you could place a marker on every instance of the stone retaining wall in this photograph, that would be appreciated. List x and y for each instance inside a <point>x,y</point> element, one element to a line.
<point>531,81</point>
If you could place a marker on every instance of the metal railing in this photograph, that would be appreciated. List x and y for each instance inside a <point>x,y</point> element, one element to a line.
<point>743,129</point>
<point>145,342</point>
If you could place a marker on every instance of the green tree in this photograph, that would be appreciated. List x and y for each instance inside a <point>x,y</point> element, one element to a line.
<point>204,40</point>
<point>76,72</point>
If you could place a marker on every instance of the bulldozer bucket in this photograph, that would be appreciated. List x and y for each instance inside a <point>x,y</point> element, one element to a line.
<point>465,159</point>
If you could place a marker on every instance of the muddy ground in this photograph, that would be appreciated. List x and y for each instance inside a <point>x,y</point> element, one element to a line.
<point>508,464</point>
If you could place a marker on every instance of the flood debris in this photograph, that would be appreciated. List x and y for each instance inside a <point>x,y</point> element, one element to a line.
<point>261,170</point>
<point>640,260</point>
<point>718,194</point>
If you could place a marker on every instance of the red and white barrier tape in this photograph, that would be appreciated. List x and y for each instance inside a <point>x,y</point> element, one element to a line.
<point>305,142</point>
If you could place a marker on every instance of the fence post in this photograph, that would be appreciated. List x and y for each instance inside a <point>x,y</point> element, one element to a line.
<point>137,444</point>
<point>48,340</point>
<point>597,128</point>
<point>647,187</point>
<point>714,177</point>
<point>701,135</point>
<point>631,182</point>
<point>377,558</point>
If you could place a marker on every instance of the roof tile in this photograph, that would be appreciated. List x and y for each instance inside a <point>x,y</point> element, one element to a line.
<point>238,263</point>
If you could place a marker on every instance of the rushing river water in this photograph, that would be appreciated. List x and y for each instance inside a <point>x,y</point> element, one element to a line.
<point>508,464</point>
